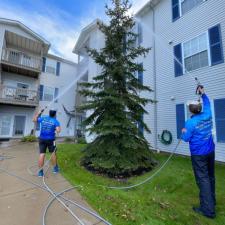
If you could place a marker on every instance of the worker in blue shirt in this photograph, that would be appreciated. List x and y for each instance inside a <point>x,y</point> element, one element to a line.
<point>49,125</point>
<point>198,132</point>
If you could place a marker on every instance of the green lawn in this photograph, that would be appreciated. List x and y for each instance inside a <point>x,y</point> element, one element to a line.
<point>167,199</point>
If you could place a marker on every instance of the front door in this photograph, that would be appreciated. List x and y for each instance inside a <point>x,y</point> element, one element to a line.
<point>19,125</point>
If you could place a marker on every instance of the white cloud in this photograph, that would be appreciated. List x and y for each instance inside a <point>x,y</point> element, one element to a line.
<point>54,25</point>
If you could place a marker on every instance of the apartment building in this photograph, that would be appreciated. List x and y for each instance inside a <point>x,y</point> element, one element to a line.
<point>30,78</point>
<point>187,39</point>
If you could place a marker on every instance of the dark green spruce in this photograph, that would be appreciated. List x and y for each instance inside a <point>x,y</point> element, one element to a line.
<point>114,101</point>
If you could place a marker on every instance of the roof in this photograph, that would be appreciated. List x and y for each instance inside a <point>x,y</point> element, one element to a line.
<point>150,4</point>
<point>25,28</point>
<point>84,35</point>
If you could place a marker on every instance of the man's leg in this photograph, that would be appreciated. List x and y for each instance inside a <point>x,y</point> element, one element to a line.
<point>41,160</point>
<point>52,149</point>
<point>211,169</point>
<point>42,148</point>
<point>54,159</point>
<point>200,167</point>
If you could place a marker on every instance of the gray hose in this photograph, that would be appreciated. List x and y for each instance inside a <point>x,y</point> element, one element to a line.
<point>64,198</point>
<point>149,178</point>
<point>57,198</point>
<point>73,203</point>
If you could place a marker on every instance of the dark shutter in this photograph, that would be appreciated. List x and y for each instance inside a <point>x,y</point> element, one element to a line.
<point>43,64</point>
<point>180,117</point>
<point>140,34</point>
<point>56,94</point>
<point>178,63</point>
<point>140,126</point>
<point>140,74</point>
<point>175,9</point>
<point>215,42</point>
<point>219,105</point>
<point>41,92</point>
<point>57,68</point>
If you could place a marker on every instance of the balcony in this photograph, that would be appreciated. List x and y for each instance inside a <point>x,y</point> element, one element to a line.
<point>18,96</point>
<point>21,62</point>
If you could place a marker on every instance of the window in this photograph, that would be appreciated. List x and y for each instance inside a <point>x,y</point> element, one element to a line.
<point>219,106</point>
<point>180,7</point>
<point>50,69</point>
<point>48,93</point>
<point>51,66</point>
<point>204,50</point>
<point>5,125</point>
<point>187,5</point>
<point>180,119</point>
<point>196,53</point>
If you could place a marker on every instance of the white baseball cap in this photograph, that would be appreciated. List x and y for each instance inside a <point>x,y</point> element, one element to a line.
<point>193,102</point>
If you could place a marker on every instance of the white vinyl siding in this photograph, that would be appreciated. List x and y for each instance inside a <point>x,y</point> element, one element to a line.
<point>196,53</point>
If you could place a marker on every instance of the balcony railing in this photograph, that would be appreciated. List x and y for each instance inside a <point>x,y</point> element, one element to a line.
<point>18,96</point>
<point>25,60</point>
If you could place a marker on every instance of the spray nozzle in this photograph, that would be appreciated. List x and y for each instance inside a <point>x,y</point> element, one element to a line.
<point>198,86</point>
<point>43,110</point>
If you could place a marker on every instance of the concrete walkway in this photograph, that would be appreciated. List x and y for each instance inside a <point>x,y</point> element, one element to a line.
<point>24,204</point>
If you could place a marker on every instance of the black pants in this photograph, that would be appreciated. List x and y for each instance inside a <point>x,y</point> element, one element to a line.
<point>204,170</point>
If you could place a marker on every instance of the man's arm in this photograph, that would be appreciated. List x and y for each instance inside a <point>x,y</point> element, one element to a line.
<point>36,115</point>
<point>187,132</point>
<point>206,102</point>
<point>58,129</point>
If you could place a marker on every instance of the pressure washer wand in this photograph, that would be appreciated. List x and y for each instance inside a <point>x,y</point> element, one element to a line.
<point>43,110</point>
<point>199,85</point>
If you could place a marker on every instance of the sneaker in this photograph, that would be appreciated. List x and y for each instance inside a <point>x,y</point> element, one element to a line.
<point>199,211</point>
<point>40,173</point>
<point>55,169</point>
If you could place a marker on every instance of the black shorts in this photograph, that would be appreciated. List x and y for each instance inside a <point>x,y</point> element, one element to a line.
<point>44,144</point>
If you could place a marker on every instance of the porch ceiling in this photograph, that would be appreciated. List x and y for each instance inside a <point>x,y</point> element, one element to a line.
<point>20,42</point>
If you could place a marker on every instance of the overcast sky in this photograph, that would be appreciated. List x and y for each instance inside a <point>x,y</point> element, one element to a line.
<point>58,21</point>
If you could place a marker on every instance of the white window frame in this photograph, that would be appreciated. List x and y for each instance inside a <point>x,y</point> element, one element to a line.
<point>180,7</point>
<point>44,89</point>
<point>208,52</point>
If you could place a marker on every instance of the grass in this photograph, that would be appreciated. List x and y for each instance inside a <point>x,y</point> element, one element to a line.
<point>166,200</point>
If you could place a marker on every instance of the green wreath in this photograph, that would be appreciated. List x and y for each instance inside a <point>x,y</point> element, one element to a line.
<point>166,137</point>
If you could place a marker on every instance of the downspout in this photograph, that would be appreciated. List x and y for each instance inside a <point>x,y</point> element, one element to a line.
<point>155,81</point>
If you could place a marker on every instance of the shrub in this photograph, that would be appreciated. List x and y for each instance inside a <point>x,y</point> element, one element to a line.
<point>69,139</point>
<point>29,138</point>
<point>81,140</point>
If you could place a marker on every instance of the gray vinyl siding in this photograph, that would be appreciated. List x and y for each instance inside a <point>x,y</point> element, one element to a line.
<point>190,25</point>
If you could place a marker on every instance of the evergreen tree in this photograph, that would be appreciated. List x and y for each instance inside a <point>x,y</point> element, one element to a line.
<point>114,100</point>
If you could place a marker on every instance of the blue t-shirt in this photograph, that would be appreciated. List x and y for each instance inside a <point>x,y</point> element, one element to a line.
<point>47,127</point>
<point>199,130</point>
